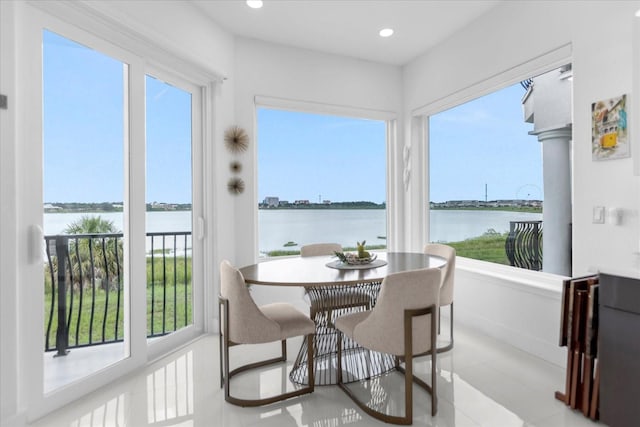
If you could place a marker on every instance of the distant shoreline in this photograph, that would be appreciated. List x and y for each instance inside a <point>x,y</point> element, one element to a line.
<point>325,206</point>
<point>108,207</point>
<point>52,208</point>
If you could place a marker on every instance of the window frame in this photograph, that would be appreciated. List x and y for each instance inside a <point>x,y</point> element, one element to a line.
<point>420,119</point>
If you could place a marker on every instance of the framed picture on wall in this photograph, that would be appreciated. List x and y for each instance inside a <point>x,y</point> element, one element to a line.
<point>610,133</point>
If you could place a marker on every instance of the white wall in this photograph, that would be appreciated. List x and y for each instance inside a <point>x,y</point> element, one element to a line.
<point>269,70</point>
<point>490,54</point>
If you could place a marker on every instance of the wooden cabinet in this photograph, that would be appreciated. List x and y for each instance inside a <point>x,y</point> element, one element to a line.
<point>619,350</point>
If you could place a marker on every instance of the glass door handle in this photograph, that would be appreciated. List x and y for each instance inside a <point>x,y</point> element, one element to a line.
<point>36,239</point>
<point>200,230</point>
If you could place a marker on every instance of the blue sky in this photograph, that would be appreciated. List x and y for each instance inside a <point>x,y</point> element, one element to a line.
<point>300,155</point>
<point>304,156</point>
<point>83,148</point>
<point>485,141</point>
<point>83,129</point>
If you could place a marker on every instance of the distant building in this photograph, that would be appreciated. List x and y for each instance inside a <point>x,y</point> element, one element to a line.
<point>301,202</point>
<point>271,202</point>
<point>326,202</point>
<point>163,206</point>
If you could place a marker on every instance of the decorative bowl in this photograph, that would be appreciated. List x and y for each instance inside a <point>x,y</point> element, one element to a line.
<point>353,259</point>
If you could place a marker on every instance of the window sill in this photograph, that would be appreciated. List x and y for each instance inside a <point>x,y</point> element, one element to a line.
<point>535,282</point>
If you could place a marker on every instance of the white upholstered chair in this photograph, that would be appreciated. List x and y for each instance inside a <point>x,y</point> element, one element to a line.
<point>318,249</point>
<point>446,289</point>
<point>243,322</point>
<point>402,323</point>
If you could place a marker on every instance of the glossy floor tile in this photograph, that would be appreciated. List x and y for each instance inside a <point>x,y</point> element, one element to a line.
<point>481,382</point>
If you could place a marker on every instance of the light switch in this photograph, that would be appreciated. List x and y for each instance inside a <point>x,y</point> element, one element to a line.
<point>598,214</point>
<point>615,216</point>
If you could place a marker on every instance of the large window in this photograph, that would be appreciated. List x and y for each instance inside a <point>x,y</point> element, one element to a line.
<point>321,178</point>
<point>486,170</point>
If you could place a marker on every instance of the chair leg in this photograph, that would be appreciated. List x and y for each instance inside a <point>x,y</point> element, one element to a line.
<point>227,376</point>
<point>434,380</point>
<point>450,345</point>
<point>221,361</point>
<point>339,356</point>
<point>311,378</point>
<point>282,358</point>
<point>222,344</point>
<point>451,325</point>
<point>408,389</point>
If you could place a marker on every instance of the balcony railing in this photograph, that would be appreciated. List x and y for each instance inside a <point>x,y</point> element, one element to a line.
<point>84,288</point>
<point>524,244</point>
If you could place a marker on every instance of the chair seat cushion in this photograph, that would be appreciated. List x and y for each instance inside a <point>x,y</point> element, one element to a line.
<point>348,323</point>
<point>292,322</point>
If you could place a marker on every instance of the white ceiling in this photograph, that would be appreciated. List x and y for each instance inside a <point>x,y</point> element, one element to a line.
<point>349,27</point>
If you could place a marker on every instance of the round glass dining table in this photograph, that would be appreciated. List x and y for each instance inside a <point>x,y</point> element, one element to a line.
<point>335,289</point>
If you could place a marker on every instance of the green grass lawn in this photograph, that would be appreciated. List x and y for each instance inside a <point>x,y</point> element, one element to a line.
<point>166,307</point>
<point>173,306</point>
<point>488,247</point>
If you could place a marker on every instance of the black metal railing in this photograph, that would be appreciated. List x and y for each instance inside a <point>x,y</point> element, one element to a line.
<point>84,288</point>
<point>524,244</point>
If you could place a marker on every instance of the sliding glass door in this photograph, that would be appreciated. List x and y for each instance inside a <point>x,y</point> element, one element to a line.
<point>172,126</point>
<point>85,273</point>
<point>111,176</point>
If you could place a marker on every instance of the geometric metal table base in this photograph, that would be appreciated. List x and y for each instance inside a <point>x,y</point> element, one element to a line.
<point>327,304</point>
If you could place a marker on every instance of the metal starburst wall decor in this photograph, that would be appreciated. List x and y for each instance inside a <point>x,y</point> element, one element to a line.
<point>235,167</point>
<point>235,185</point>
<point>236,139</point>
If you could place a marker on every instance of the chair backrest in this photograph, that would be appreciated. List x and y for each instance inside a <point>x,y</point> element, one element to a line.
<point>247,324</point>
<point>383,329</point>
<point>448,253</point>
<point>317,249</point>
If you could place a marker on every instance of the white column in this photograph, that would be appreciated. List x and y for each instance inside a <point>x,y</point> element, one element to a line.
<point>556,215</point>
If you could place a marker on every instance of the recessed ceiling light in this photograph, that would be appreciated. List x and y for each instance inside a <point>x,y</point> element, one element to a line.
<point>638,13</point>
<point>386,32</point>
<point>254,4</point>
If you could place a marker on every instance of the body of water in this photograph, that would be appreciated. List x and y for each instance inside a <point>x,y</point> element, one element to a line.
<point>304,226</point>
<point>277,227</point>
<point>55,223</point>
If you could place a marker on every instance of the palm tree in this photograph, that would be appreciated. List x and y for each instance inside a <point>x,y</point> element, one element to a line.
<point>94,255</point>
<point>89,224</point>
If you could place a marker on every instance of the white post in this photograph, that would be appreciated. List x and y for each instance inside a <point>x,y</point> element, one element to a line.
<point>556,215</point>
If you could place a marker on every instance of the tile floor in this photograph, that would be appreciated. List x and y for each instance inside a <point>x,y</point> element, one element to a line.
<point>482,382</point>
